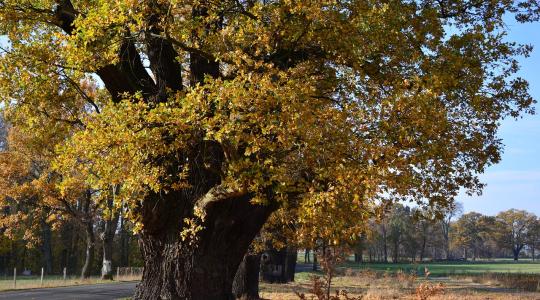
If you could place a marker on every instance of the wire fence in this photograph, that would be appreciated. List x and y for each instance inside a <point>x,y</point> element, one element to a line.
<point>16,279</point>
<point>128,273</point>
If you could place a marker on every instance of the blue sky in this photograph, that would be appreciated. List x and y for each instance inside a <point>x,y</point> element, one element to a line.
<point>515,181</point>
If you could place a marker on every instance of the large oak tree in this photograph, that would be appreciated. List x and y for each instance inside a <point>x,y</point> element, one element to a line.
<point>210,115</point>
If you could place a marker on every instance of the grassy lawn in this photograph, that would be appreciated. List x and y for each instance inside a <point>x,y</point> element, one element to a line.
<point>449,268</point>
<point>524,266</point>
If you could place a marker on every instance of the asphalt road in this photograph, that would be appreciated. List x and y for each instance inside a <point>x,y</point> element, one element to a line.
<point>87,292</point>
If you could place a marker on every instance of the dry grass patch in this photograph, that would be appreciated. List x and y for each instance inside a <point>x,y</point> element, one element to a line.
<point>368,285</point>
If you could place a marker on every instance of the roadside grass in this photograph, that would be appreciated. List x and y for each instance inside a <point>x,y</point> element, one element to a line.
<point>33,282</point>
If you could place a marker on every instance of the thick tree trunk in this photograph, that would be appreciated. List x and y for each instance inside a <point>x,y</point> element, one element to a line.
<point>90,247</point>
<point>278,266</point>
<point>201,268</point>
<point>246,280</point>
<point>290,263</point>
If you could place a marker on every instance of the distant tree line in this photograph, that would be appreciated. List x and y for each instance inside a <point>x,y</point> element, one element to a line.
<point>83,241</point>
<point>413,234</point>
<point>66,247</point>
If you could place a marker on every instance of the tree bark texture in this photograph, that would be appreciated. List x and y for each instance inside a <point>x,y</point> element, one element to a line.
<point>206,269</point>
<point>246,280</point>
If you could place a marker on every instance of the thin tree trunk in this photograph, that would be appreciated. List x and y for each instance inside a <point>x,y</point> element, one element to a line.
<point>423,248</point>
<point>90,250</point>
<point>46,247</point>
<point>246,280</point>
<point>124,243</point>
<point>74,250</point>
<point>396,253</point>
<point>108,238</point>
<point>385,249</point>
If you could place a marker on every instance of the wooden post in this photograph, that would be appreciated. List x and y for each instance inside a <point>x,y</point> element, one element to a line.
<point>117,273</point>
<point>65,273</point>
<point>15,278</point>
<point>41,281</point>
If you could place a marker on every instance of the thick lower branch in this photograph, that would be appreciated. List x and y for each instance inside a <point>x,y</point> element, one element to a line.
<point>128,75</point>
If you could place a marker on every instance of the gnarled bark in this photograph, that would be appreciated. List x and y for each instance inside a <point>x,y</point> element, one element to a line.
<point>246,280</point>
<point>205,268</point>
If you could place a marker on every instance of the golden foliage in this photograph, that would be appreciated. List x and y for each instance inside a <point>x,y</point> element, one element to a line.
<point>327,108</point>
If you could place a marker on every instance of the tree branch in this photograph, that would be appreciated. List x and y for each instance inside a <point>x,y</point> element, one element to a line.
<point>128,75</point>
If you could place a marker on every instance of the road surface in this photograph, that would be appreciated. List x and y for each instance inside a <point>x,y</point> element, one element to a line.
<point>108,291</point>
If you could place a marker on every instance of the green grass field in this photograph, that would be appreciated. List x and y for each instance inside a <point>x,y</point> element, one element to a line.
<point>449,268</point>
<point>523,266</point>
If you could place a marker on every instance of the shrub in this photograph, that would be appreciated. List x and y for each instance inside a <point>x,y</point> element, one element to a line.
<point>427,289</point>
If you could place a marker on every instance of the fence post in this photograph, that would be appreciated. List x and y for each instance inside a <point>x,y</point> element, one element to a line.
<point>41,281</point>
<point>64,273</point>
<point>15,278</point>
<point>117,273</point>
